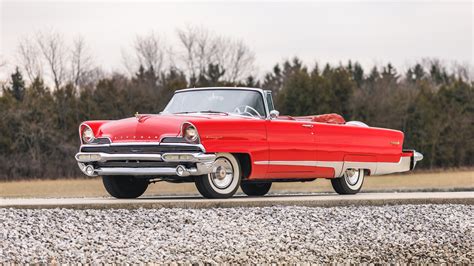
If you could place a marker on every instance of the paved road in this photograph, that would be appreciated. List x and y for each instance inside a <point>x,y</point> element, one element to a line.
<point>241,201</point>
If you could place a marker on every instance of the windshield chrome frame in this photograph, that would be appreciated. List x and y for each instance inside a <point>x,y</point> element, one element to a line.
<point>261,91</point>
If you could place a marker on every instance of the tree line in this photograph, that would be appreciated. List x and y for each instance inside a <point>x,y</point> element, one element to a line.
<point>56,87</point>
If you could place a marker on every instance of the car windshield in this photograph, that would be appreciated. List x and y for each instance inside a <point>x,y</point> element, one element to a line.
<point>242,102</point>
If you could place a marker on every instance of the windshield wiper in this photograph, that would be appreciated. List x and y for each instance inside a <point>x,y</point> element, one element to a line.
<point>213,112</point>
<point>200,112</point>
<point>186,112</point>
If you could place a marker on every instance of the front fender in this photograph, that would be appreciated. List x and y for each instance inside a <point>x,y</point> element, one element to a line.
<point>94,125</point>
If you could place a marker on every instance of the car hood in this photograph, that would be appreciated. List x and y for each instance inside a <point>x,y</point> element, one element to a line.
<point>152,128</point>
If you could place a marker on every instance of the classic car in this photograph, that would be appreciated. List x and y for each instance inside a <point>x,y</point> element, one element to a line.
<point>225,138</point>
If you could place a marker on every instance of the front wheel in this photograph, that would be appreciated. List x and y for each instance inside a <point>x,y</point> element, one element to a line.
<point>350,183</point>
<point>125,187</point>
<point>256,189</point>
<point>224,179</point>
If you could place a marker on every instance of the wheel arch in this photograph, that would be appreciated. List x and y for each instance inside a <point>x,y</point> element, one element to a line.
<point>245,162</point>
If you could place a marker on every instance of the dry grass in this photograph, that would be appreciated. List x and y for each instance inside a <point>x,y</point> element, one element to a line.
<point>447,180</point>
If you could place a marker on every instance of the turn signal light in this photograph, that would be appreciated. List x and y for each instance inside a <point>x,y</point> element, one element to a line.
<point>89,157</point>
<point>177,157</point>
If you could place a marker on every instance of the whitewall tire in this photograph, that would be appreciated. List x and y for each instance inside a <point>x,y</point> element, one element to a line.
<point>223,181</point>
<point>350,183</point>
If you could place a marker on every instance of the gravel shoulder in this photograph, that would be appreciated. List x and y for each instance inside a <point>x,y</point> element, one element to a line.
<point>394,234</point>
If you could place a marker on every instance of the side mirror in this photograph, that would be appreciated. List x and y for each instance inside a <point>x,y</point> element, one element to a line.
<point>274,114</point>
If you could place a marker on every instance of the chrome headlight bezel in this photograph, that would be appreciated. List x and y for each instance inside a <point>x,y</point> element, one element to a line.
<point>87,134</point>
<point>190,133</point>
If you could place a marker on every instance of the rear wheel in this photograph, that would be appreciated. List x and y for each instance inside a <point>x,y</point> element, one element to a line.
<point>125,187</point>
<point>224,179</point>
<point>350,183</point>
<point>256,189</point>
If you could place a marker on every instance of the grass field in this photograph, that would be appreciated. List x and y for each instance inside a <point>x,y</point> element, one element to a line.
<point>448,180</point>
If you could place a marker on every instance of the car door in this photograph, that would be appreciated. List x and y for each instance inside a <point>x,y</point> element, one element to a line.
<point>291,148</point>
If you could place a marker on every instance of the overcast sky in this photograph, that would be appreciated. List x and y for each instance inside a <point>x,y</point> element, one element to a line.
<point>370,32</point>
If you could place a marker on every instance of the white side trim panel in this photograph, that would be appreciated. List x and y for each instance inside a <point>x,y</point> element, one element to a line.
<point>371,166</point>
<point>387,168</point>
<point>337,166</point>
<point>376,168</point>
<point>303,163</point>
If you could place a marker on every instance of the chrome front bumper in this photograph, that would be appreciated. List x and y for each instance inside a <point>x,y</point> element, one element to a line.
<point>202,164</point>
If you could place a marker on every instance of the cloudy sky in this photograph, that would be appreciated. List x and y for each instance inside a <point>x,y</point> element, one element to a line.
<point>400,32</point>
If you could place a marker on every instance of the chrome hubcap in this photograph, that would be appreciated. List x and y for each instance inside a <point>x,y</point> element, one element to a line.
<point>222,173</point>
<point>351,176</point>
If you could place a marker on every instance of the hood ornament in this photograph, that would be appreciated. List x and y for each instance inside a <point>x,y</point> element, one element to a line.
<point>141,117</point>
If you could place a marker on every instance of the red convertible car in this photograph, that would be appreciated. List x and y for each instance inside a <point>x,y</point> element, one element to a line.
<point>225,138</point>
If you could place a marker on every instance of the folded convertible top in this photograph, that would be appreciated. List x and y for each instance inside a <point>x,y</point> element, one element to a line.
<point>324,118</point>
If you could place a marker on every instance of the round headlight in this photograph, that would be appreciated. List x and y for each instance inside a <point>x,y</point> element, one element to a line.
<point>191,134</point>
<point>87,135</point>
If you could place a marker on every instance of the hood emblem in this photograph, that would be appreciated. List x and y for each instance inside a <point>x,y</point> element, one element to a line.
<point>141,117</point>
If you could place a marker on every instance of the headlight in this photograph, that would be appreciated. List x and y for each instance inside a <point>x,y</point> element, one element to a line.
<point>87,134</point>
<point>190,134</point>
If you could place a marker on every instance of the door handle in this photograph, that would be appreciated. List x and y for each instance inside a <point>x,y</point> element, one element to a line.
<point>307,125</point>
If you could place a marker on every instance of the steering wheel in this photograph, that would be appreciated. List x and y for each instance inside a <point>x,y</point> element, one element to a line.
<point>246,110</point>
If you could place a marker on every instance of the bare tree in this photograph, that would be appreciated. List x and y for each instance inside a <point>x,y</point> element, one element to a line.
<point>81,62</point>
<point>462,70</point>
<point>53,49</point>
<point>200,48</point>
<point>188,39</point>
<point>238,60</point>
<point>149,51</point>
<point>29,58</point>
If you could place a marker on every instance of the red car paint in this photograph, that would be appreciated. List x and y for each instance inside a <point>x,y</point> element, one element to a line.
<point>296,140</point>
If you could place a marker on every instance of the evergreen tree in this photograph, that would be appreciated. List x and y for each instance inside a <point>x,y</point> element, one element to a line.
<point>17,85</point>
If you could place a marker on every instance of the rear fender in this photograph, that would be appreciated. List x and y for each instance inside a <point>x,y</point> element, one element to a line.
<point>359,162</point>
